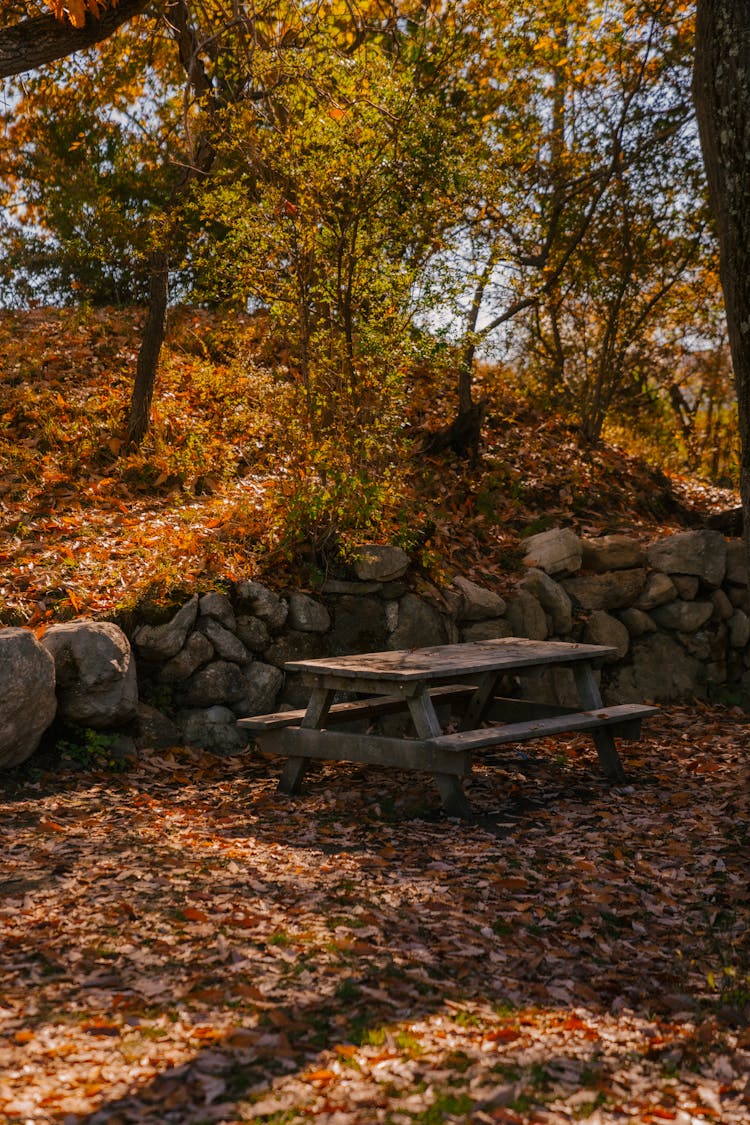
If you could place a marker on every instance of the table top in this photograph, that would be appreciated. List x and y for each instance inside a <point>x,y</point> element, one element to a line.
<point>446,661</point>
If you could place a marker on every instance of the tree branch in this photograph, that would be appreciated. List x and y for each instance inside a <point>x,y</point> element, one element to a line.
<point>32,43</point>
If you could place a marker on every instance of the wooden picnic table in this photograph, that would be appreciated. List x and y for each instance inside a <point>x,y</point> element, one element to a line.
<point>417,682</point>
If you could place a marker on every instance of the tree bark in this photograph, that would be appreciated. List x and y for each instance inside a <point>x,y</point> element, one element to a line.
<point>721,92</point>
<point>151,342</point>
<point>35,42</point>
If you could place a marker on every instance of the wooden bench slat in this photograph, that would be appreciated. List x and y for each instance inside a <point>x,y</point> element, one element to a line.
<point>370,749</point>
<point>356,709</point>
<point>624,715</point>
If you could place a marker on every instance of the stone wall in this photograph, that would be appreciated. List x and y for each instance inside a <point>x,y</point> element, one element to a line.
<point>675,611</point>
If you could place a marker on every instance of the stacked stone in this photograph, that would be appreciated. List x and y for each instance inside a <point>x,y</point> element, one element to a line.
<point>676,613</point>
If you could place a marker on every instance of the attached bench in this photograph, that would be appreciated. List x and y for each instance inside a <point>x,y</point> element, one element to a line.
<point>350,712</point>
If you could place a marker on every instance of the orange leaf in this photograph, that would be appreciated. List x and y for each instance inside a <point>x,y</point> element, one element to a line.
<point>323,1076</point>
<point>192,914</point>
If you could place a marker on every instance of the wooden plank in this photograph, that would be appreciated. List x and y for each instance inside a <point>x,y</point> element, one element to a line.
<point>622,715</point>
<point>590,696</point>
<point>356,709</point>
<point>315,715</point>
<point>371,749</point>
<point>447,661</point>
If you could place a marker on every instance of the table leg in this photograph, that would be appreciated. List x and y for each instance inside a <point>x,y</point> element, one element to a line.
<point>591,699</point>
<point>315,716</point>
<point>480,701</point>
<point>427,725</point>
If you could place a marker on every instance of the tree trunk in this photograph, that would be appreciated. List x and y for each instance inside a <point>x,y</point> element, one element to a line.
<point>721,91</point>
<point>151,342</point>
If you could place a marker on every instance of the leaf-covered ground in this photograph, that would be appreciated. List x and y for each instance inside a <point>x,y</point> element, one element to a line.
<point>86,526</point>
<point>181,944</point>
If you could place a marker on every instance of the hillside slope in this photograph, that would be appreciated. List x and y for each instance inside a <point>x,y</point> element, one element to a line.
<point>87,527</point>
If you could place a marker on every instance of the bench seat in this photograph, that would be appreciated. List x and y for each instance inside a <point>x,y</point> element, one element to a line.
<point>357,709</point>
<point>624,720</point>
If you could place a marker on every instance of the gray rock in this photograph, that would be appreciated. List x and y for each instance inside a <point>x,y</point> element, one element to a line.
<point>294,646</point>
<point>196,651</point>
<point>702,553</point>
<point>637,622</point>
<point>686,586</point>
<point>257,599</point>
<point>155,730</point>
<point>723,608</point>
<point>219,682</point>
<point>219,607</point>
<point>359,625</point>
<point>615,590</point>
<point>739,629</point>
<point>659,589</point>
<point>27,695</point>
<point>526,617</point>
<point>552,598</point>
<point>95,673</point>
<point>685,617</point>
<point>308,615</point>
<point>419,624</point>
<point>476,602</point>
<point>159,642</point>
<point>612,552</point>
<point>603,629</point>
<point>263,683</point>
<point>555,552</point>
<point>705,644</point>
<point>739,596</point>
<point>355,589</point>
<point>214,728</point>
<point>487,630</point>
<point>380,564</point>
<point>253,633</point>
<point>226,645</point>
<point>661,670</point>
<point>737,569</point>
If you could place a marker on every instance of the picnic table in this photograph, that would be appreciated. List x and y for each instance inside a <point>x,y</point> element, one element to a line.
<point>417,683</point>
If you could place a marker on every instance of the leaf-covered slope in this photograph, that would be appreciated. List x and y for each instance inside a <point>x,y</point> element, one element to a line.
<point>86,526</point>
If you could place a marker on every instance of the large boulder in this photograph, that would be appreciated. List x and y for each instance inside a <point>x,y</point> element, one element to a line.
<point>263,683</point>
<point>380,563</point>
<point>661,670</point>
<point>213,728</point>
<point>160,642</point>
<point>702,553</point>
<point>308,615</point>
<point>359,625</point>
<point>476,603</point>
<point>27,695</point>
<point>555,552</point>
<point>552,599</point>
<point>526,617</point>
<point>95,674</point>
<point>197,651</point>
<point>685,617</point>
<point>256,599</point>
<point>616,590</point>
<point>612,552</point>
<point>225,644</point>
<point>418,625</point>
<point>603,629</point>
